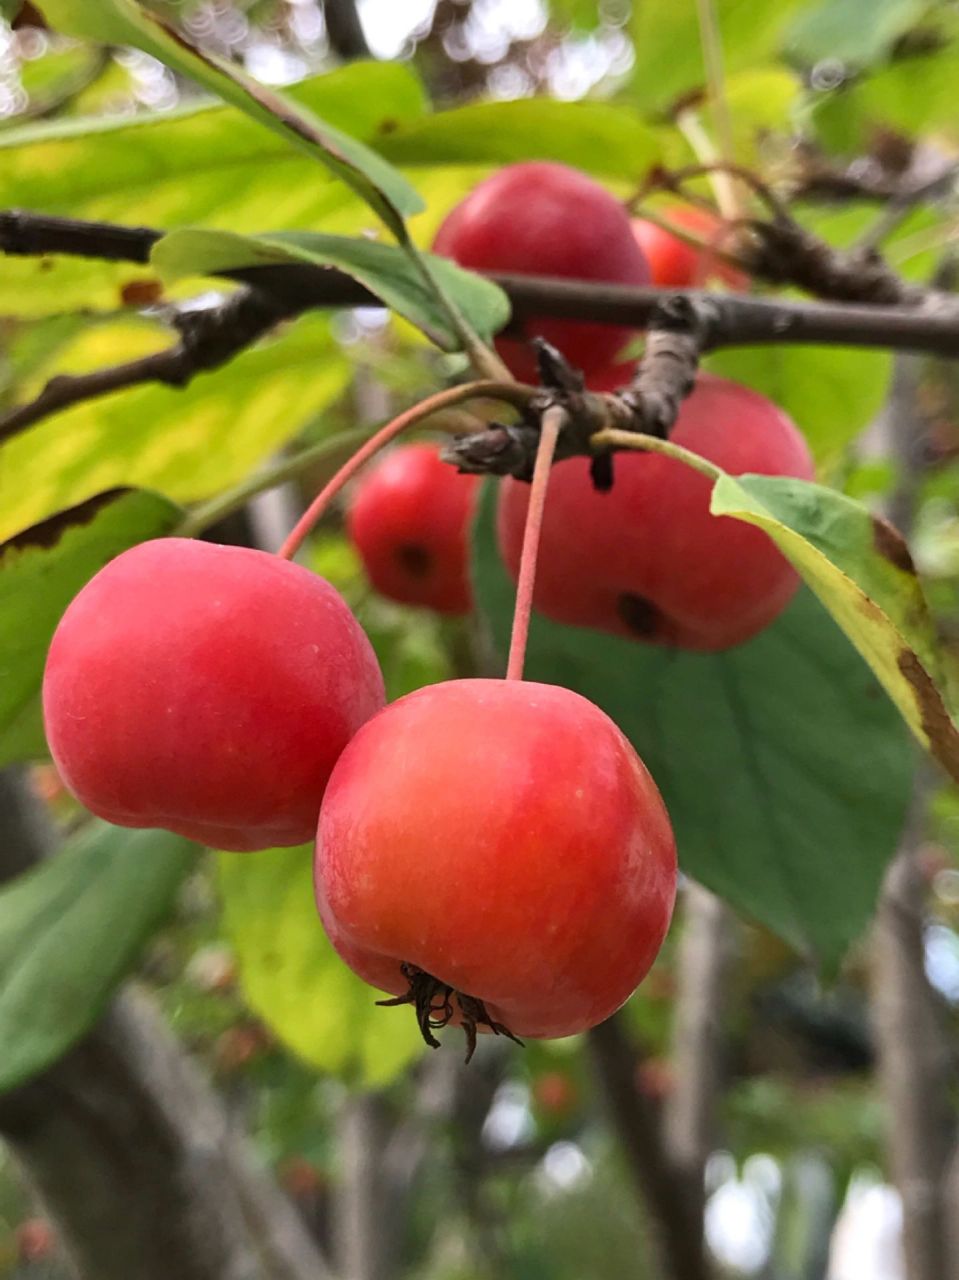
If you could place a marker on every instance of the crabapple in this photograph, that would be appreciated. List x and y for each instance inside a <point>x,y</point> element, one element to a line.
<point>555,1094</point>
<point>647,559</point>
<point>545,219</point>
<point>409,520</point>
<point>675,264</point>
<point>208,690</point>
<point>496,850</point>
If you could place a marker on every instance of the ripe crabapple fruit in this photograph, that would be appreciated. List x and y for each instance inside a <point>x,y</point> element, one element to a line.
<point>208,690</point>
<point>409,520</point>
<point>495,852</point>
<point>647,559</point>
<point>673,263</point>
<point>545,219</point>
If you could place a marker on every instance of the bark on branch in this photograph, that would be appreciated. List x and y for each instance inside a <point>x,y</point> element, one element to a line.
<point>209,338</point>
<point>132,1151</point>
<point>675,1216</point>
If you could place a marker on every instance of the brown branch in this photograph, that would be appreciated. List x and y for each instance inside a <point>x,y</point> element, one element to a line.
<point>712,320</point>
<point>344,29</point>
<point>914,1067</point>
<point>131,1150</point>
<point>690,1112</point>
<point>208,339</point>
<point>675,1216</point>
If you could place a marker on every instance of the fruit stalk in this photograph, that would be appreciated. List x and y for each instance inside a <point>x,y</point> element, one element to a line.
<point>553,421</point>
<point>506,392</point>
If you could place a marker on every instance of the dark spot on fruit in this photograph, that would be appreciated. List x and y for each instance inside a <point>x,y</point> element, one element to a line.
<point>641,616</point>
<point>890,544</point>
<point>416,560</point>
<point>389,125</point>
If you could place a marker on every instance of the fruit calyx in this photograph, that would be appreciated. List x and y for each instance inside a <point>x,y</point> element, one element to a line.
<point>433,1002</point>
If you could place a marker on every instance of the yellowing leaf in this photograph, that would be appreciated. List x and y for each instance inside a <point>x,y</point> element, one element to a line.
<point>292,978</point>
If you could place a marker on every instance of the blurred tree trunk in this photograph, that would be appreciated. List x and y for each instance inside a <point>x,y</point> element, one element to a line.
<point>913,1052</point>
<point>690,1113</point>
<point>131,1150</point>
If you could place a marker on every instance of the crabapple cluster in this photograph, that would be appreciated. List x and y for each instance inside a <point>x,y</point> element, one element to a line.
<point>492,852</point>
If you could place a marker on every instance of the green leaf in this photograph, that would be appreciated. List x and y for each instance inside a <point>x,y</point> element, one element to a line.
<point>786,773</point>
<point>125,22</point>
<point>385,269</point>
<point>41,570</point>
<point>860,568</point>
<point>70,931</point>
<point>600,138</point>
<point>189,443</point>
<point>831,392</point>
<point>668,48</point>
<point>198,165</point>
<point>859,32</point>
<point>293,979</point>
<point>911,95</point>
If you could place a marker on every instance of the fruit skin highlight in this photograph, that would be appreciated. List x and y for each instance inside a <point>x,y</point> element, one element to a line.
<point>208,690</point>
<point>504,837</point>
<point>409,520</point>
<point>546,219</point>
<point>675,264</point>
<point>647,560</point>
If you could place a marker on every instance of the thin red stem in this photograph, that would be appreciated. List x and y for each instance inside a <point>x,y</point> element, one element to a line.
<point>552,423</point>
<point>509,393</point>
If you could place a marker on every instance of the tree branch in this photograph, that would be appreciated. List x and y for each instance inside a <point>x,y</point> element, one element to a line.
<point>208,338</point>
<point>690,1111</point>
<point>674,1214</point>
<point>344,29</point>
<point>711,320</point>
<point>132,1151</point>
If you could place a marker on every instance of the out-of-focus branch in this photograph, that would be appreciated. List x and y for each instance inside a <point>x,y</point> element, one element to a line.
<point>690,1111</point>
<point>911,1043</point>
<point>914,1068</point>
<point>675,1216</point>
<point>344,29</point>
<point>129,1147</point>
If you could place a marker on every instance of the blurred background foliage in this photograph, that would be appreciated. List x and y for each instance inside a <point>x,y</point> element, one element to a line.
<point>509,1169</point>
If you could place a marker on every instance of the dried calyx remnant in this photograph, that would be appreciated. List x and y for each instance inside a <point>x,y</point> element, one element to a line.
<point>434,1004</point>
<point>677,335</point>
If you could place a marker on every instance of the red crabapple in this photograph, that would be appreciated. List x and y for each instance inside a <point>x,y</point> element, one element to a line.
<point>503,839</point>
<point>208,690</point>
<point>676,264</point>
<point>647,559</point>
<point>545,219</point>
<point>409,520</point>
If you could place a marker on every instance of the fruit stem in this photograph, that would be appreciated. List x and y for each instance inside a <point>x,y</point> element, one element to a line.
<point>553,421</point>
<point>508,393</point>
<point>611,438</point>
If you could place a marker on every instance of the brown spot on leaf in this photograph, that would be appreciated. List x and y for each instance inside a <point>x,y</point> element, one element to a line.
<point>937,724</point>
<point>141,293</point>
<point>891,545</point>
<point>49,532</point>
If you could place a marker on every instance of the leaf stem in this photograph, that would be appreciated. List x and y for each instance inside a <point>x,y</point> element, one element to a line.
<point>508,393</point>
<point>612,438</point>
<point>486,363</point>
<point>554,419</point>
